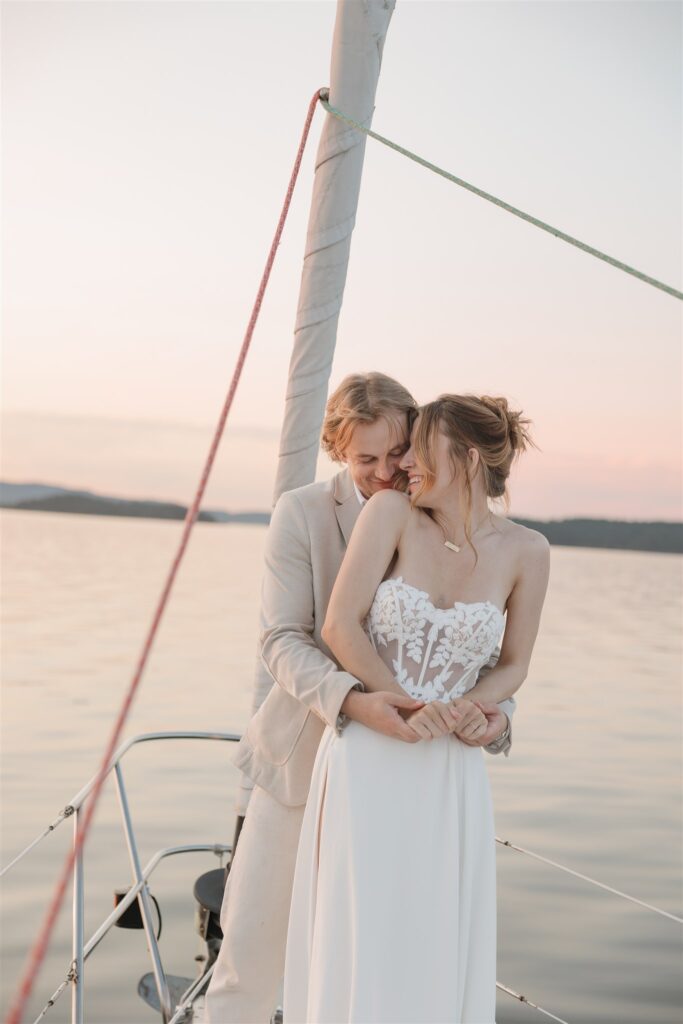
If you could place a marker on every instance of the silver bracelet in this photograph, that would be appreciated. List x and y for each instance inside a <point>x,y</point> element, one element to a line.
<point>503,736</point>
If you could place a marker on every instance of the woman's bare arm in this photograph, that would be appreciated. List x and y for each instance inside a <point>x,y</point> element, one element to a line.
<point>375,539</point>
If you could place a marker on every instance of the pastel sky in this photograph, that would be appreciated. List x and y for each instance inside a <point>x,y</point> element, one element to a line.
<point>147,148</point>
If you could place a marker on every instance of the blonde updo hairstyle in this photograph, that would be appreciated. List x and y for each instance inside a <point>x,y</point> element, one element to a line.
<point>498,433</point>
<point>362,398</point>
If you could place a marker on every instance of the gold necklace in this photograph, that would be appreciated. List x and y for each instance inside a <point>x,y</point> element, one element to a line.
<point>457,548</point>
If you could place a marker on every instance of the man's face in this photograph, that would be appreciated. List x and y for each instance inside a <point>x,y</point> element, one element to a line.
<point>374,452</point>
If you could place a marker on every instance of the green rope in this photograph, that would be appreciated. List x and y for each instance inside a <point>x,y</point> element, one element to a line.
<point>324,94</point>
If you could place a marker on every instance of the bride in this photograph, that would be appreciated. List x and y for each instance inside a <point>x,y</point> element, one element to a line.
<point>393,914</point>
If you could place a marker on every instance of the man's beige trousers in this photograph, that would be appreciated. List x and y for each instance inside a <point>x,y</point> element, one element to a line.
<point>248,974</point>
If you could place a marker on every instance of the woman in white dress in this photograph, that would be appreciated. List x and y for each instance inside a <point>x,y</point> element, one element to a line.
<point>393,914</point>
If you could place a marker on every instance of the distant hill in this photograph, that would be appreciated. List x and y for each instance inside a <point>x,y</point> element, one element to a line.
<point>12,494</point>
<point>610,533</point>
<point>665,537</point>
<point>43,498</point>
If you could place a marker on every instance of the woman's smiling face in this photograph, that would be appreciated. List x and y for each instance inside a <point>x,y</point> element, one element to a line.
<point>427,487</point>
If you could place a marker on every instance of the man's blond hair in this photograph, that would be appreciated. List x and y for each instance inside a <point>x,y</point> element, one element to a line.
<point>362,398</point>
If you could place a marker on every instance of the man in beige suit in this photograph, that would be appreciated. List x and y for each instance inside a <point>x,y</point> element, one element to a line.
<point>367,427</point>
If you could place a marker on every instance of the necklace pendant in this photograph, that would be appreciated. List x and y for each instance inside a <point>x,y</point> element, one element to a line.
<point>451,545</point>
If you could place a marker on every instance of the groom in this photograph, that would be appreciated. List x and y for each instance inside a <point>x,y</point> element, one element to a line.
<point>367,427</point>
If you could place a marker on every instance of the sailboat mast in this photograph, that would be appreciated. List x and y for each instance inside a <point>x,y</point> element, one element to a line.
<point>359,33</point>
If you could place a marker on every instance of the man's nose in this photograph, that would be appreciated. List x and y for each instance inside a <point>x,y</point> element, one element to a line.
<point>385,471</point>
<point>407,461</point>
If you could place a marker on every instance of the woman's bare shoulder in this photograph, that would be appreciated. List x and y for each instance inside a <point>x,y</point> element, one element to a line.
<point>526,541</point>
<point>384,516</point>
<point>389,502</point>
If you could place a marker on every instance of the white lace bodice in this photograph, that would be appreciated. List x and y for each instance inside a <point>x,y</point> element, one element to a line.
<point>434,653</point>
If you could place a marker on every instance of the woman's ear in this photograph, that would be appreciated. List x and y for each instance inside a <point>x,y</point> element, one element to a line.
<point>473,461</point>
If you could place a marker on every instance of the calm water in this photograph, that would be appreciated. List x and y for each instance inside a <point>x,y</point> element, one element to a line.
<point>594,780</point>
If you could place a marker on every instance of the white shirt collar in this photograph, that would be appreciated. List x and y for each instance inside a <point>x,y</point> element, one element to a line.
<point>361,498</point>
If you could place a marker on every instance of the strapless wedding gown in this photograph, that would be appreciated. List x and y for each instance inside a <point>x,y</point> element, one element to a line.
<point>393,914</point>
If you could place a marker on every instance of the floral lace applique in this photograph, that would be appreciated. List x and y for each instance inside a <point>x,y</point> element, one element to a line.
<point>404,624</point>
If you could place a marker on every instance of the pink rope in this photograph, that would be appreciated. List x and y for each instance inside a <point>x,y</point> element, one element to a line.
<point>37,954</point>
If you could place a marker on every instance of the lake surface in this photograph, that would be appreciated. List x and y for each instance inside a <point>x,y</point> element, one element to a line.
<point>593,781</point>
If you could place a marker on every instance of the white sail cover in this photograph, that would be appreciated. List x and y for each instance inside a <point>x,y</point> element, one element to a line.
<point>359,33</point>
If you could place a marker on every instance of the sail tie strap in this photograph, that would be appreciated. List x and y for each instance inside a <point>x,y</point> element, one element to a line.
<point>324,96</point>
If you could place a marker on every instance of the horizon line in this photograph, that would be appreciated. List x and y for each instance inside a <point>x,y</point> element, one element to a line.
<point>266,511</point>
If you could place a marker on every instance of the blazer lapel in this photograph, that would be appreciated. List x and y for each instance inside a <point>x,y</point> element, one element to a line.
<point>347,505</point>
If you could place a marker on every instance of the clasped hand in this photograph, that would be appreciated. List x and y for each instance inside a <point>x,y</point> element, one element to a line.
<point>474,722</point>
<point>466,719</point>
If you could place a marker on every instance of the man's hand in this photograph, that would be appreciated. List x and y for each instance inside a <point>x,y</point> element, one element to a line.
<point>381,711</point>
<point>496,721</point>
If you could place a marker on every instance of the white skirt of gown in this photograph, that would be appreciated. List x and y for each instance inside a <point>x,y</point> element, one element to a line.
<point>393,914</point>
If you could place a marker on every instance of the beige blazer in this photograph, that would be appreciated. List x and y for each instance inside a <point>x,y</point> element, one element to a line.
<point>305,545</point>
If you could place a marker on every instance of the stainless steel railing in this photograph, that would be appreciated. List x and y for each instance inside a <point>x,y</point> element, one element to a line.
<point>81,950</point>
